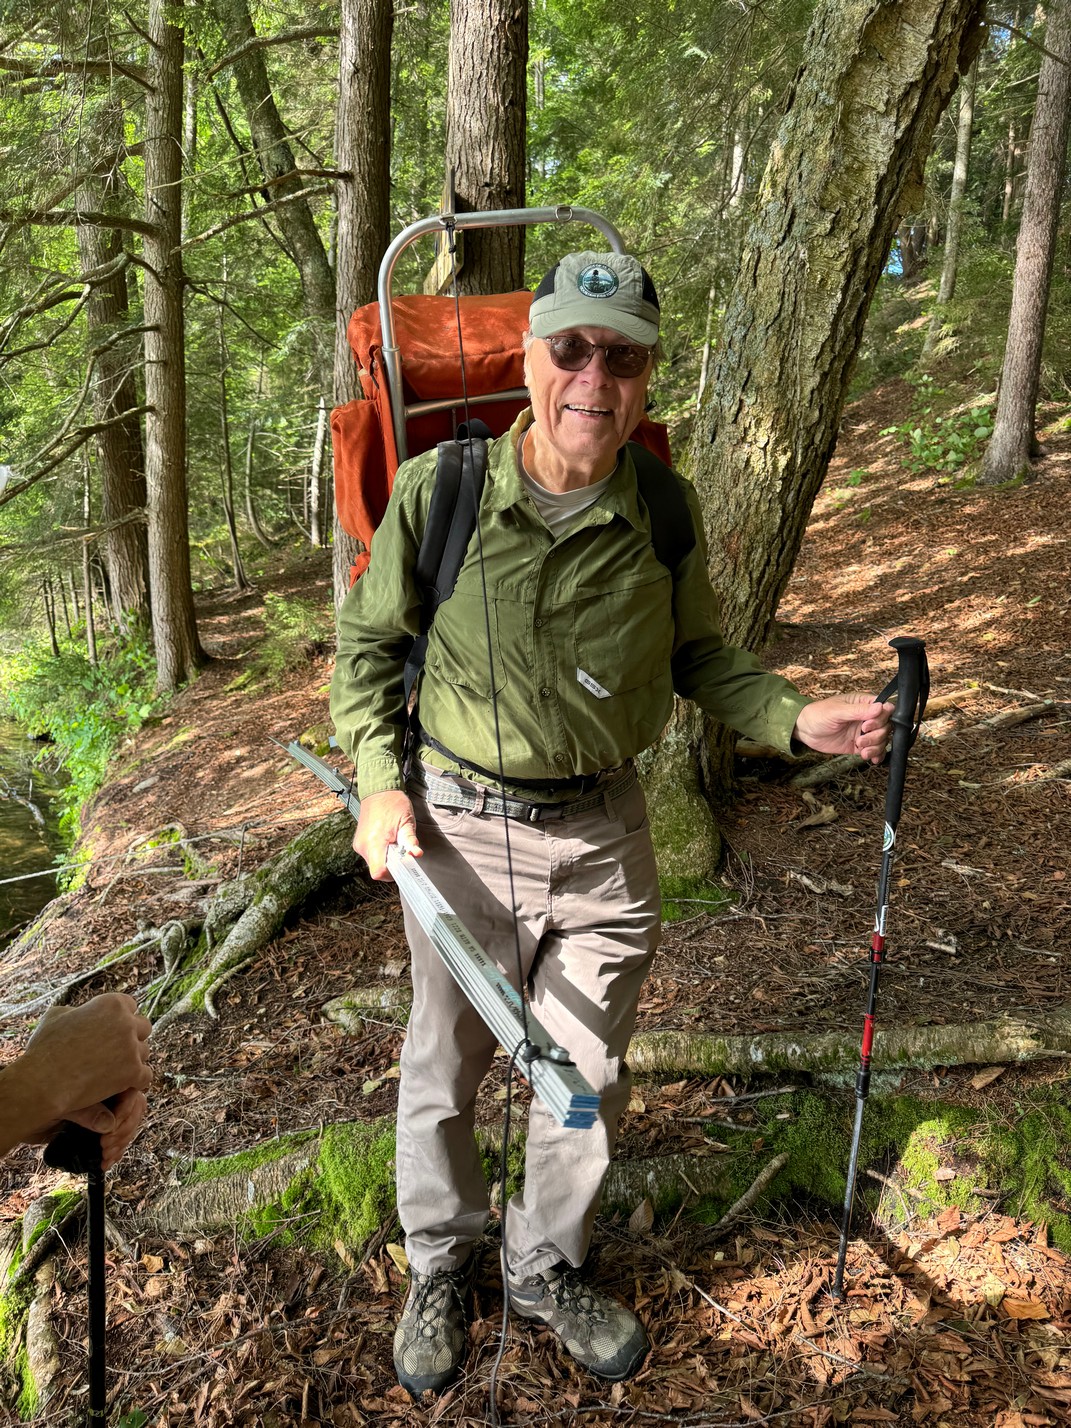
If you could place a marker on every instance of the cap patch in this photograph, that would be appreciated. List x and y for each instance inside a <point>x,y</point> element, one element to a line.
<point>596,282</point>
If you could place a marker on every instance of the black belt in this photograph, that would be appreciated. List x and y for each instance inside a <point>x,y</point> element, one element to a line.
<point>444,793</point>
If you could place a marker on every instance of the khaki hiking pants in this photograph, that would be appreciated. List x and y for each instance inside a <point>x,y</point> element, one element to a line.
<point>588,920</point>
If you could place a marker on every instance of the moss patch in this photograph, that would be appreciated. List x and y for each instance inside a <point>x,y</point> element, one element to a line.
<point>684,897</point>
<point>686,839</point>
<point>942,1154</point>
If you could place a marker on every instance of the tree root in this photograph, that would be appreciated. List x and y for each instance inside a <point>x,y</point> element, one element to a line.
<point>284,882</point>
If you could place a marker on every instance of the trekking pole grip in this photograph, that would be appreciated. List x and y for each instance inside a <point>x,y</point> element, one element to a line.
<point>912,685</point>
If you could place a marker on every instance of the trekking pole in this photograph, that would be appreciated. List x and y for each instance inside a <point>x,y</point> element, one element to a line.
<point>912,686</point>
<point>77,1151</point>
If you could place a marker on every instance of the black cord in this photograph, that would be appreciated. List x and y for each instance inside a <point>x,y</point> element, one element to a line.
<point>503,1168</point>
<point>452,238</point>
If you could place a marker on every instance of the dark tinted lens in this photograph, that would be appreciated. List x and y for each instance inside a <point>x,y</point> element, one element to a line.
<point>625,360</point>
<point>569,352</point>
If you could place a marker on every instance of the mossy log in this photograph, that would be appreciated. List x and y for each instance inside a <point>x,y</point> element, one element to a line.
<point>283,883</point>
<point>1003,1039</point>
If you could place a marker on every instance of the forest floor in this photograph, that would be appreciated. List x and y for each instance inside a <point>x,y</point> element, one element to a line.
<point>962,1320</point>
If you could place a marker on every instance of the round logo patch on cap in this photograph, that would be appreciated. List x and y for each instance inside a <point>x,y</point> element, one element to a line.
<point>596,282</point>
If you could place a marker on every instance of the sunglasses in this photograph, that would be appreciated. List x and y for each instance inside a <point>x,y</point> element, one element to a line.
<point>572,354</point>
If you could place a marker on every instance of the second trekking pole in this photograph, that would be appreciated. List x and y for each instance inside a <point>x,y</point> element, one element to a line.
<point>912,686</point>
<point>77,1151</point>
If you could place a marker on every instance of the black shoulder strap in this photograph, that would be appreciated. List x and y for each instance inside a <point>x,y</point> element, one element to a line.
<point>459,476</point>
<point>672,527</point>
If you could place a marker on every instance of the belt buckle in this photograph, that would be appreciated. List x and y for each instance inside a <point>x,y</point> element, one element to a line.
<point>534,814</point>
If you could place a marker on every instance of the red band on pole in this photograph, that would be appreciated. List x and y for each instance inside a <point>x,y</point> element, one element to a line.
<point>868,1038</point>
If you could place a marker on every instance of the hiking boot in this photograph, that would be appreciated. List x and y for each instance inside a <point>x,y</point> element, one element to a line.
<point>429,1342</point>
<point>599,1332</point>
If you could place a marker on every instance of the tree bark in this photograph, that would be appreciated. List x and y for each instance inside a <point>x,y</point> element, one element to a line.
<point>178,649</point>
<point>954,229</point>
<point>119,446</point>
<point>846,164</point>
<point>1014,438</point>
<point>275,155</point>
<point>362,154</point>
<point>486,115</point>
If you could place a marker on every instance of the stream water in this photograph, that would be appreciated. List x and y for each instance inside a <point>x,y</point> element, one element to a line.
<point>29,837</point>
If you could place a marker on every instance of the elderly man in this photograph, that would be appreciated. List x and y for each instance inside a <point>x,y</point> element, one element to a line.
<point>556,659</point>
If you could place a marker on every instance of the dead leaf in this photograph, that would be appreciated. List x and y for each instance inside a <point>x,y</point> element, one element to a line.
<point>1024,1309</point>
<point>983,1078</point>
<point>152,1262</point>
<point>344,1254</point>
<point>945,1173</point>
<point>400,1258</point>
<point>642,1218</point>
<point>636,1104</point>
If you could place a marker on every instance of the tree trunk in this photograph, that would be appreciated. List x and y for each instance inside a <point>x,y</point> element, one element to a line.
<point>486,111</point>
<point>362,154</point>
<point>49,600</point>
<point>949,268</point>
<point>227,465</point>
<point>178,649</point>
<point>119,447</point>
<point>275,155</point>
<point>1014,440</point>
<point>847,162</point>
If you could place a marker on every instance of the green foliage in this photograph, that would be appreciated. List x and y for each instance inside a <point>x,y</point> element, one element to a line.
<point>945,442</point>
<point>85,711</point>
<point>296,631</point>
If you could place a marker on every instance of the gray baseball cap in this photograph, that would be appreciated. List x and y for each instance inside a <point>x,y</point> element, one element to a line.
<point>597,290</point>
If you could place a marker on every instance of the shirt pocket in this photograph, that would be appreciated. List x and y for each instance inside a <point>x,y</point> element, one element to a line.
<point>457,646</point>
<point>623,637</point>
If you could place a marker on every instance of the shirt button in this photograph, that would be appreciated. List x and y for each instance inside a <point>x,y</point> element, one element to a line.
<point>546,693</point>
<point>559,758</point>
<point>539,624</point>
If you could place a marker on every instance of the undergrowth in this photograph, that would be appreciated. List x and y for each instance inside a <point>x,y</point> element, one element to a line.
<point>85,711</point>
<point>296,631</point>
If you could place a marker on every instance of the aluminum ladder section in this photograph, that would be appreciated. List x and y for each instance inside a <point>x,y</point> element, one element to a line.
<point>552,1075</point>
<point>441,223</point>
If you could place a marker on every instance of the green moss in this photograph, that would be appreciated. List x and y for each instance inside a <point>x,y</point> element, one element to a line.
<point>28,1400</point>
<point>686,839</point>
<point>241,1163</point>
<point>1030,1158</point>
<point>684,897</point>
<point>491,1156</point>
<point>343,1196</point>
<point>60,1204</point>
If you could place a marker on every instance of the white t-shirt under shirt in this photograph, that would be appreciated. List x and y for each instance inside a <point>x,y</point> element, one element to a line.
<point>560,508</point>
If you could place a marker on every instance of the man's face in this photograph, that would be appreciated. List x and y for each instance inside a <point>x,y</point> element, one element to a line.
<point>585,416</point>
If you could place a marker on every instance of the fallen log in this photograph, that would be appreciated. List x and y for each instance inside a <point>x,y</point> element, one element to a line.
<point>1003,1039</point>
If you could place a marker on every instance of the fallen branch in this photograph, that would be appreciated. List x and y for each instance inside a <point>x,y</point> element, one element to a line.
<point>739,1208</point>
<point>1016,779</point>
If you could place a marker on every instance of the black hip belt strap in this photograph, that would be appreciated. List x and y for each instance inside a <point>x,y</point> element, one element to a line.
<point>444,793</point>
<point>579,783</point>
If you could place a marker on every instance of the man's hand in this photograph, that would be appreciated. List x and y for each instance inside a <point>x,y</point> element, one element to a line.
<point>385,818</point>
<point>78,1058</point>
<point>846,724</point>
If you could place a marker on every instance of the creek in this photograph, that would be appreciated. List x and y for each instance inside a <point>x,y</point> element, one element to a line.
<point>29,834</point>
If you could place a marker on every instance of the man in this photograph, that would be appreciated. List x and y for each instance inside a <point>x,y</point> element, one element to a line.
<point>77,1059</point>
<point>556,659</point>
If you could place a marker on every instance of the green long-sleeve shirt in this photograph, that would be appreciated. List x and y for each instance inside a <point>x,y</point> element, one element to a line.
<point>590,635</point>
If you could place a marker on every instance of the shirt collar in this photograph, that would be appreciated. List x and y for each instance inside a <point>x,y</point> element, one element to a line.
<point>507,490</point>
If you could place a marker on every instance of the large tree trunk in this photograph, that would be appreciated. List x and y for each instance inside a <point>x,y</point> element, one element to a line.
<point>847,163</point>
<point>1014,440</point>
<point>275,155</point>
<point>362,153</point>
<point>954,228</point>
<point>119,447</point>
<point>178,650</point>
<point>486,110</point>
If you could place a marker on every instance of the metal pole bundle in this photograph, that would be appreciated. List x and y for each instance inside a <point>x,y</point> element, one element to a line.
<point>912,686</point>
